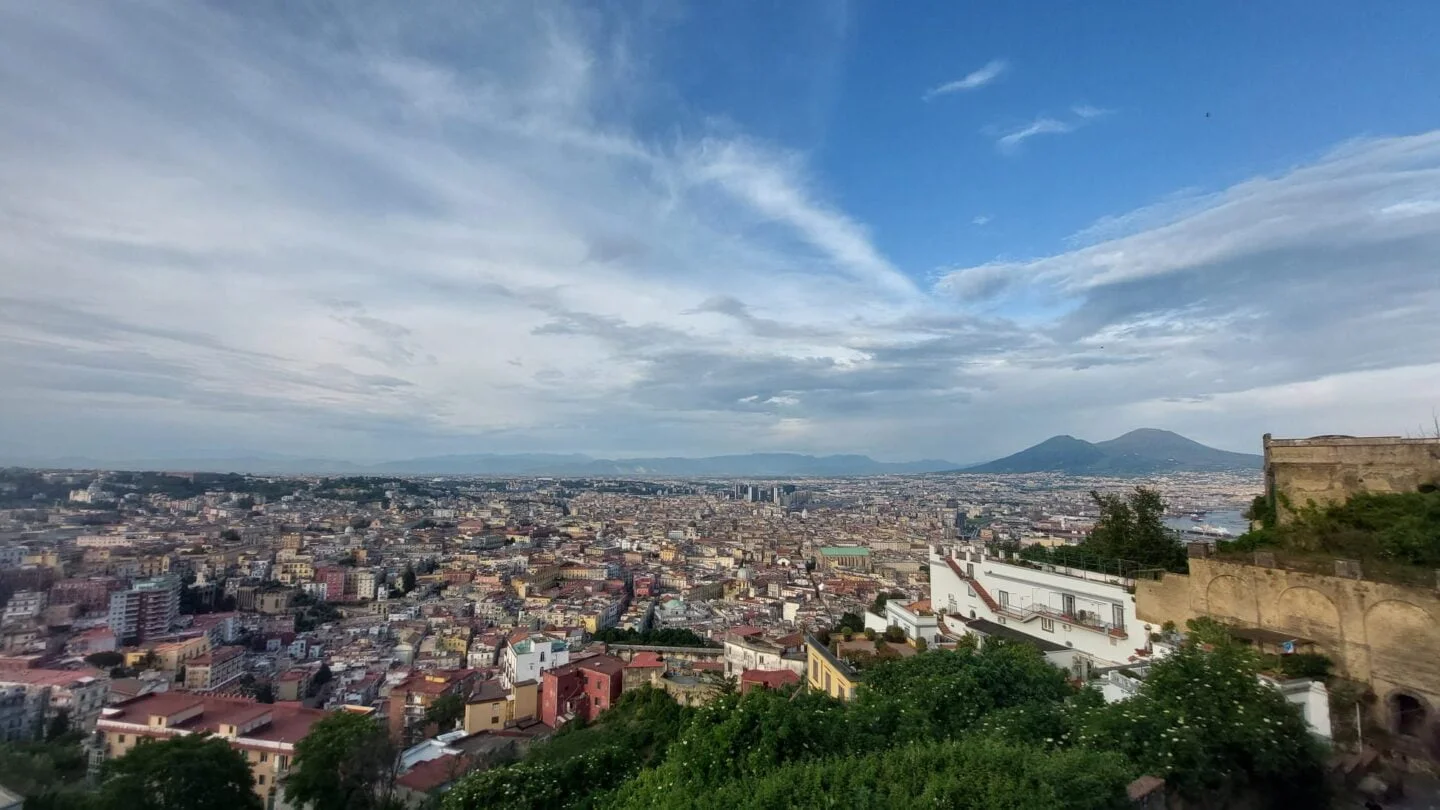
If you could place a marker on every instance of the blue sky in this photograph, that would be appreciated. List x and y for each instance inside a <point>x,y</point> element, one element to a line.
<point>363,231</point>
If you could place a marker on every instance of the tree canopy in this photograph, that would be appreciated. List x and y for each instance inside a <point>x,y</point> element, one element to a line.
<point>995,727</point>
<point>188,772</point>
<point>346,762</point>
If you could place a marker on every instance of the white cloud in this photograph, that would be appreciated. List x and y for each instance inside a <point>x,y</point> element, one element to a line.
<point>980,221</point>
<point>1011,141</point>
<point>1089,111</point>
<point>327,241</point>
<point>971,81</point>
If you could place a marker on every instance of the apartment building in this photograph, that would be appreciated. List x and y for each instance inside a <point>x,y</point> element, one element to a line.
<point>747,649</point>
<point>265,733</point>
<point>79,695</point>
<point>146,610</point>
<point>215,669</point>
<point>1091,613</point>
<point>527,656</point>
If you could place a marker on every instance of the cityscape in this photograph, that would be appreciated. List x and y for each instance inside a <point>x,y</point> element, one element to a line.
<point>668,405</point>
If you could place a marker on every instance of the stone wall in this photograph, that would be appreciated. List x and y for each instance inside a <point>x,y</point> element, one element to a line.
<point>1330,469</point>
<point>1385,635</point>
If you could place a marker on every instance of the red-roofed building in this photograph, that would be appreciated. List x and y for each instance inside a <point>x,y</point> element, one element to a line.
<point>265,733</point>
<point>411,697</point>
<point>766,679</point>
<point>582,689</point>
<point>644,668</point>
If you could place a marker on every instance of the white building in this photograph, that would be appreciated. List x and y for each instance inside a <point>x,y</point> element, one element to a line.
<point>1088,612</point>
<point>746,652</point>
<point>25,605</point>
<point>916,619</point>
<point>524,660</point>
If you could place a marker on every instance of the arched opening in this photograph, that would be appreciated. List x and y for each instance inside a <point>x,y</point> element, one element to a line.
<point>1407,714</point>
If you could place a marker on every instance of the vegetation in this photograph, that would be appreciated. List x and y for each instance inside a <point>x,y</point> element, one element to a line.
<point>1129,536</point>
<point>997,727</point>
<point>676,637</point>
<point>346,762</point>
<point>50,775</point>
<point>1401,528</point>
<point>181,773</point>
<point>446,711</point>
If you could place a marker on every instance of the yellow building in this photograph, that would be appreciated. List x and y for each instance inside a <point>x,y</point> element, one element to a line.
<point>827,673</point>
<point>491,707</point>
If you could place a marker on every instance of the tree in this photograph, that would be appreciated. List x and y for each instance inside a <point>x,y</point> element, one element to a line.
<point>1133,528</point>
<point>105,660</point>
<point>264,693</point>
<point>852,622</point>
<point>230,535</point>
<point>446,711</point>
<point>346,762</point>
<point>407,579</point>
<point>895,633</point>
<point>181,773</point>
<point>1206,724</point>
<point>59,726</point>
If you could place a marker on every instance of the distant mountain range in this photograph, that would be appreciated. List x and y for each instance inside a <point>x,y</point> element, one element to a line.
<point>526,464</point>
<point>1139,452</point>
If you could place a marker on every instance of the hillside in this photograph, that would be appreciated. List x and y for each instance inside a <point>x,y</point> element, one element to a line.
<point>1139,452</point>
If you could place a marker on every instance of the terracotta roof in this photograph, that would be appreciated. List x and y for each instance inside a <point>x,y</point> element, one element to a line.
<point>646,659</point>
<point>434,773</point>
<point>770,678</point>
<point>288,724</point>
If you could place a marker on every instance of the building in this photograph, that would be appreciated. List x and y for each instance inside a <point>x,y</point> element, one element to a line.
<point>1382,634</point>
<point>824,671</point>
<point>856,557</point>
<point>1329,469</point>
<point>492,706</point>
<point>79,695</point>
<point>527,655</point>
<point>18,714</point>
<point>92,594</point>
<point>215,669</point>
<point>644,668</point>
<point>915,618</point>
<point>333,578</point>
<point>767,679</point>
<point>582,689</point>
<point>411,697</point>
<point>753,651</point>
<point>265,733</point>
<point>1088,612</point>
<point>294,683</point>
<point>146,610</point>
<point>25,605</point>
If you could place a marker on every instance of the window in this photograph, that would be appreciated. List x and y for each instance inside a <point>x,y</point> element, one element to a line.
<point>542,656</point>
<point>1067,604</point>
<point>1407,714</point>
<point>264,757</point>
<point>1004,597</point>
<point>120,739</point>
<point>260,779</point>
<point>1048,625</point>
<point>969,590</point>
<point>1117,613</point>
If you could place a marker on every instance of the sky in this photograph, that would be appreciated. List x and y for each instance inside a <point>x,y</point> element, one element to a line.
<point>374,230</point>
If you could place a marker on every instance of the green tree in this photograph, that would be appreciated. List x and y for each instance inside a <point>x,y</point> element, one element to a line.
<point>182,773</point>
<point>446,711</point>
<point>407,579</point>
<point>105,660</point>
<point>346,762</point>
<point>1132,528</point>
<point>1206,724</point>
<point>49,775</point>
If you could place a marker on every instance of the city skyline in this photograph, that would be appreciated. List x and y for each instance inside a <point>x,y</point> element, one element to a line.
<point>624,230</point>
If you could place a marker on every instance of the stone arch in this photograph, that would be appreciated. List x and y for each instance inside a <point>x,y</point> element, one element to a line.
<point>1230,598</point>
<point>1407,713</point>
<point>1404,643</point>
<point>1307,612</point>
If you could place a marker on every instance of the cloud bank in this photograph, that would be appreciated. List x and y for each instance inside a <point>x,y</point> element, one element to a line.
<point>447,230</point>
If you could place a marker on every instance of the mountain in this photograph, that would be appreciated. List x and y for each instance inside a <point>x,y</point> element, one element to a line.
<point>527,464</point>
<point>1139,452</point>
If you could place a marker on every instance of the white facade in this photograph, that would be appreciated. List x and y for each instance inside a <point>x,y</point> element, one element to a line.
<point>916,620</point>
<point>25,605</point>
<point>1091,613</point>
<point>742,654</point>
<point>525,660</point>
